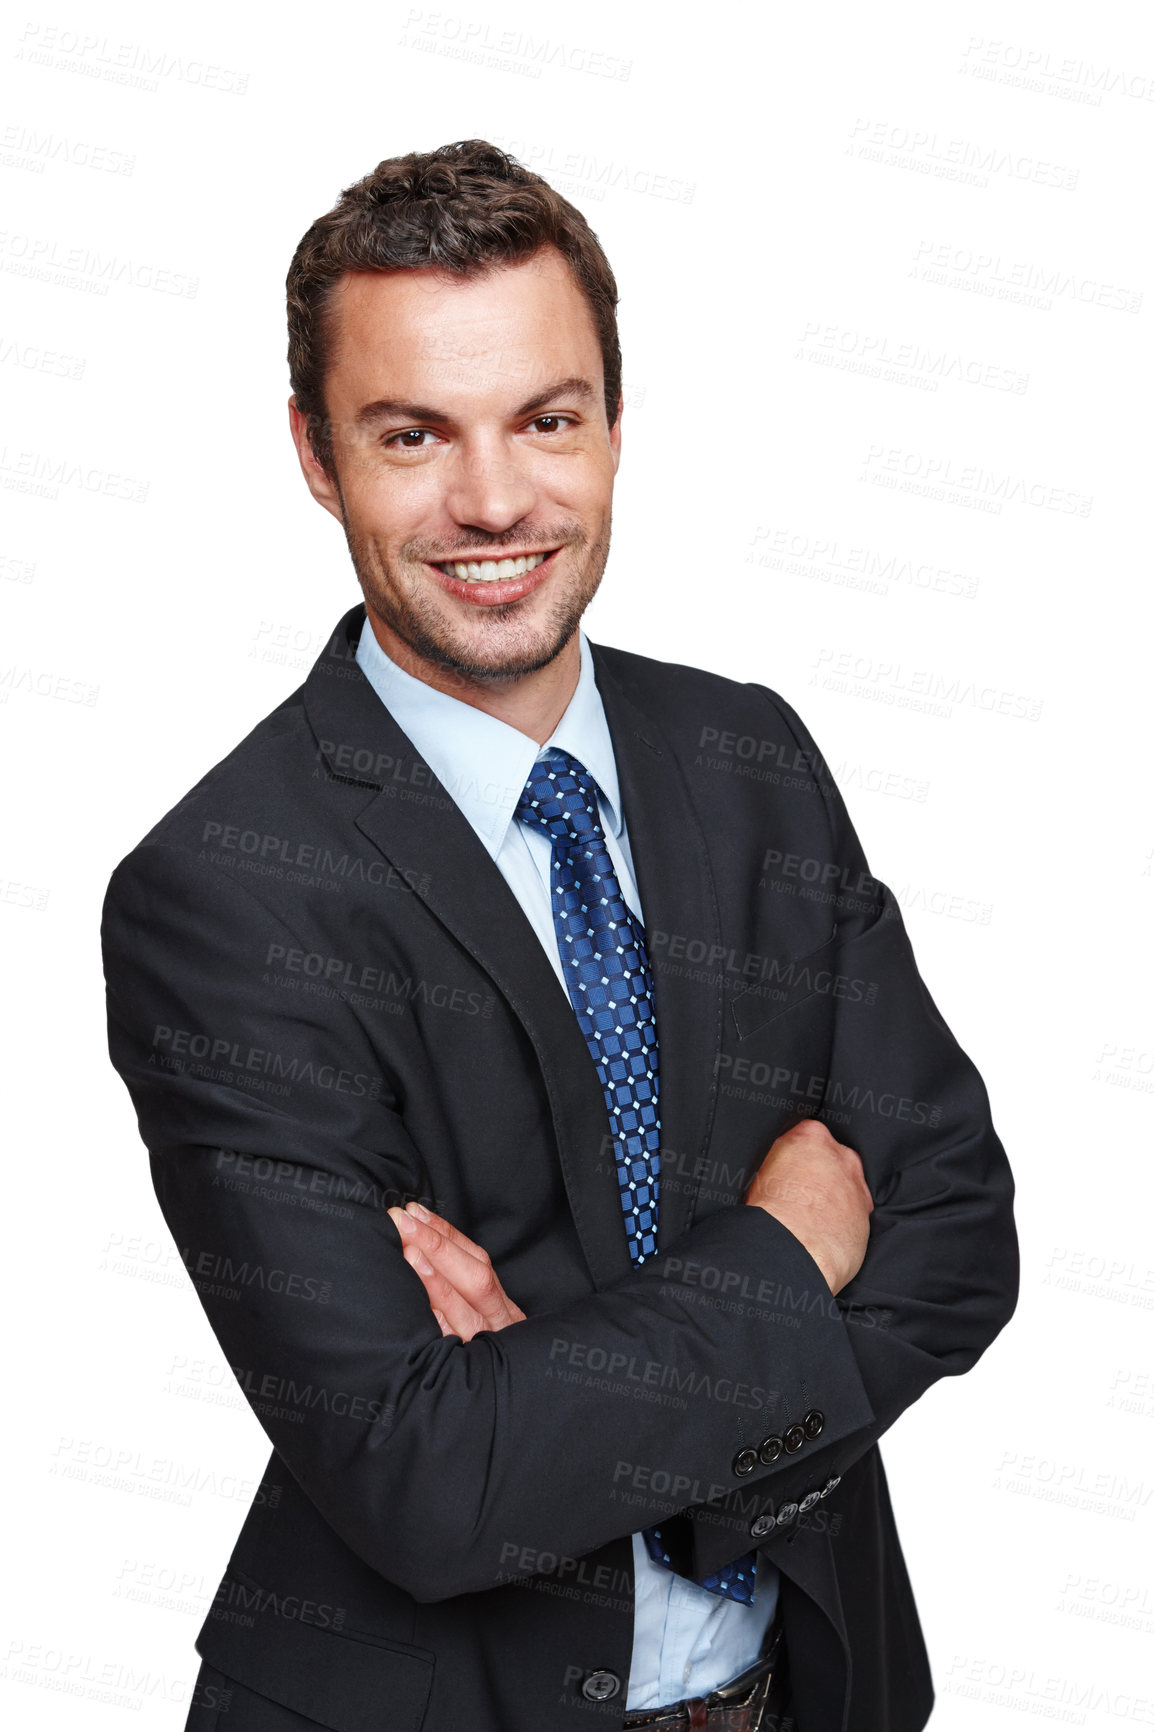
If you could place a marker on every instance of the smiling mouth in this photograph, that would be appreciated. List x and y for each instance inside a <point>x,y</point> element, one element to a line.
<point>492,570</point>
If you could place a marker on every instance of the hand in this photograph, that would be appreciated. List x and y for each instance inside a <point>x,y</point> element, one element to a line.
<point>816,1187</point>
<point>464,1293</point>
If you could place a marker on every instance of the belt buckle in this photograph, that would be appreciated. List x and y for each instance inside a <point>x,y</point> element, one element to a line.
<point>740,1690</point>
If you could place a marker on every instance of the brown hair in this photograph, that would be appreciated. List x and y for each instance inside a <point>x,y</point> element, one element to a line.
<point>463,208</point>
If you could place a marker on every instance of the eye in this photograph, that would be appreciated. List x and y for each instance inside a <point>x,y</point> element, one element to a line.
<point>552,423</point>
<point>412,439</point>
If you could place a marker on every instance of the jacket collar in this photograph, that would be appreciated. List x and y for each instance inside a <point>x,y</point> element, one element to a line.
<point>482,761</point>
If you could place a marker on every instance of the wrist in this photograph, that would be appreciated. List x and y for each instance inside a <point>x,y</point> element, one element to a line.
<point>781,1213</point>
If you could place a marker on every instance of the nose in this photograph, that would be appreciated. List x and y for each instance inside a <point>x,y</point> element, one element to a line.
<point>489,487</point>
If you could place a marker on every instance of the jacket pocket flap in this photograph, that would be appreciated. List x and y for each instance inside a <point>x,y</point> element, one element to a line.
<point>785,983</point>
<point>351,1683</point>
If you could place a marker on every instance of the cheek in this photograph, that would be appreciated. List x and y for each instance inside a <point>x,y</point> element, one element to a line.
<point>392,504</point>
<point>583,484</point>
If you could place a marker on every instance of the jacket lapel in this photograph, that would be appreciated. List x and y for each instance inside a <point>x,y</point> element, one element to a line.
<point>427,838</point>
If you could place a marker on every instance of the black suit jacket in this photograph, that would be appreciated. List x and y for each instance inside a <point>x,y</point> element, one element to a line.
<point>324,999</point>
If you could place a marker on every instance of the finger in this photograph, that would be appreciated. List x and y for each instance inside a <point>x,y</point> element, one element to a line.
<point>452,1311</point>
<point>465,1266</point>
<point>476,1283</point>
<point>472,1277</point>
<point>445,1228</point>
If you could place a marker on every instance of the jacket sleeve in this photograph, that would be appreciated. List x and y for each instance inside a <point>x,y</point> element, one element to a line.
<point>940,1276</point>
<point>277,1141</point>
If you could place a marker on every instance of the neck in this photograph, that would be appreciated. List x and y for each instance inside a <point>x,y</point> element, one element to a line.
<point>532,703</point>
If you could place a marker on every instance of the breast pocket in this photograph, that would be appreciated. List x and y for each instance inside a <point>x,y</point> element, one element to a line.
<point>786,983</point>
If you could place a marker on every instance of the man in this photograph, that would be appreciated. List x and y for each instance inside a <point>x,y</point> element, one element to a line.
<point>571,1162</point>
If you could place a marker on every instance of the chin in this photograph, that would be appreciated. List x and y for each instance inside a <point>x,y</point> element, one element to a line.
<point>492,655</point>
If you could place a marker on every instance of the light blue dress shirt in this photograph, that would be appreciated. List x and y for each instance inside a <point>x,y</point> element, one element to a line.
<point>685,1641</point>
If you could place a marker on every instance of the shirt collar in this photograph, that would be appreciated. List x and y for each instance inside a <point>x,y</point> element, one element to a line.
<point>483,762</point>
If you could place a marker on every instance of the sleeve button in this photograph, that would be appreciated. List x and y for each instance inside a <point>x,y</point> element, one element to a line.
<point>770,1448</point>
<point>794,1438</point>
<point>744,1462</point>
<point>813,1423</point>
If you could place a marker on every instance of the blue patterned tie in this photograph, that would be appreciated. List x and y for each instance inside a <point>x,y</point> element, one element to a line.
<point>603,956</point>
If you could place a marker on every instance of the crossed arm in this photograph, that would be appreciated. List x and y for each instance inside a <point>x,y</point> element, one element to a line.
<point>808,1181</point>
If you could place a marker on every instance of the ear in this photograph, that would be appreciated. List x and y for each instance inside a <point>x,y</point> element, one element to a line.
<point>320,485</point>
<point>615,435</point>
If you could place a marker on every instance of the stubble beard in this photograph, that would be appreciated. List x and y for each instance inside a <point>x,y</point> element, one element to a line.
<point>402,594</point>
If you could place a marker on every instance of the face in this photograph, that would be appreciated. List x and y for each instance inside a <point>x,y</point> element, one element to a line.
<point>474,463</point>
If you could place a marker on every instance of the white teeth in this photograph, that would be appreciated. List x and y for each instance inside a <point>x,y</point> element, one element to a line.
<point>493,570</point>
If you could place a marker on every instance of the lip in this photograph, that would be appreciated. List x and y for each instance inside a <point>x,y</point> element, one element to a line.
<point>502,589</point>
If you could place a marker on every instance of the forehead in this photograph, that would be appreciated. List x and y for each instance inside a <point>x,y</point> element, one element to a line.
<point>406,333</point>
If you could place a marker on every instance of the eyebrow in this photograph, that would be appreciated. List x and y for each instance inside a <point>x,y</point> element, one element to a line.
<point>398,409</point>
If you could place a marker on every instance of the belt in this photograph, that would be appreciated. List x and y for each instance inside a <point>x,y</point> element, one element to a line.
<point>754,1701</point>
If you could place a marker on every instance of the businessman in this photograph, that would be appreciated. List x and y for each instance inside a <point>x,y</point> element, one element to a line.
<point>571,1162</point>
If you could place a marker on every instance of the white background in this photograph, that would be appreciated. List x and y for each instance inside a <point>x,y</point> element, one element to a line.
<point>885,307</point>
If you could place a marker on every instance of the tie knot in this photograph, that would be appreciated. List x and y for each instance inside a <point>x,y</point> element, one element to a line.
<point>560,797</point>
